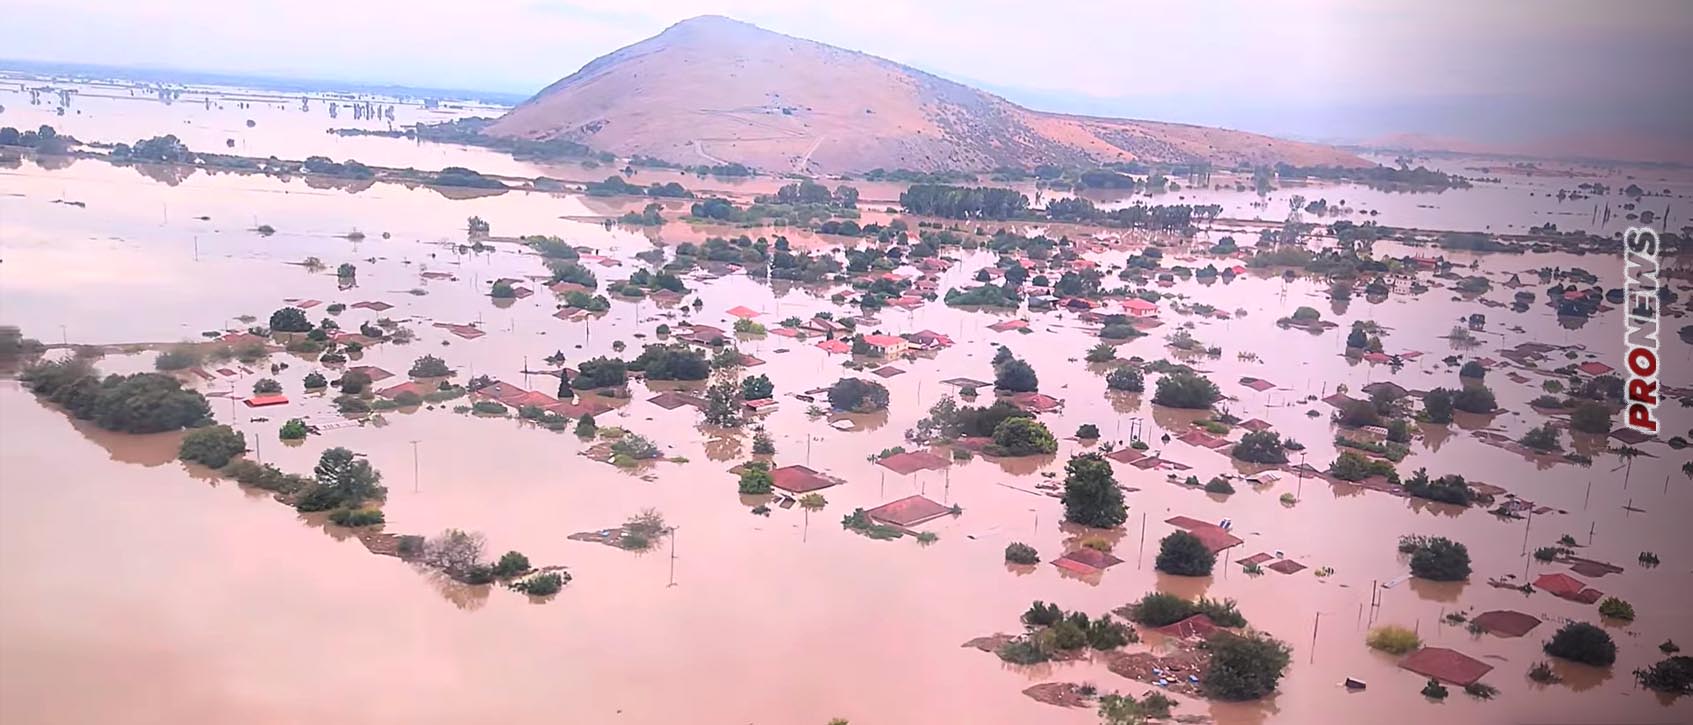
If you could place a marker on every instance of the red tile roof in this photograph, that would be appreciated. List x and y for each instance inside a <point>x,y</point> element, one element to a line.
<point>1562,585</point>
<point>1446,665</point>
<point>908,511</point>
<point>1506,623</point>
<point>260,401</point>
<point>799,479</point>
<point>1136,304</point>
<point>1594,367</point>
<point>1198,626</point>
<point>911,462</point>
<point>743,312</point>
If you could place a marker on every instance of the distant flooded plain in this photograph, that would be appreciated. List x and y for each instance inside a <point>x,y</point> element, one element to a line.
<point>136,588</point>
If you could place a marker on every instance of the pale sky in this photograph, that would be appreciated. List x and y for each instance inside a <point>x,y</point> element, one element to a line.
<point>1304,67</point>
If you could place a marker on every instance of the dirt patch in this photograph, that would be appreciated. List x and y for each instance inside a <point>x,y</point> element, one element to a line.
<point>990,643</point>
<point>1176,670</point>
<point>1062,694</point>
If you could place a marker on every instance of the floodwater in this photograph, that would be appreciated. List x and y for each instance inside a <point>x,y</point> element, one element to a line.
<point>138,589</point>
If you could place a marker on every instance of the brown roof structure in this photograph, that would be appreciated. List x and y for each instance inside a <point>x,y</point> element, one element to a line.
<point>799,479</point>
<point>671,400</point>
<point>1091,558</point>
<point>1562,585</point>
<point>1257,558</point>
<point>1125,455</point>
<point>375,373</point>
<point>1198,626</point>
<point>1258,384</point>
<point>887,371</point>
<point>1446,665</point>
<point>1286,566</point>
<point>1215,537</point>
<point>417,389</point>
<point>911,462</point>
<point>907,512</point>
<point>1506,622</point>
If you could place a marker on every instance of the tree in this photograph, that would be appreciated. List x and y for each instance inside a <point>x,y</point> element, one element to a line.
<point>511,564</point>
<point>858,395</point>
<point>1543,438</point>
<point>289,319</point>
<point>1437,405</point>
<point>266,386</point>
<point>1186,390</point>
<point>1617,609</point>
<point>755,478</point>
<point>1023,437</point>
<point>1357,339</point>
<point>762,445</point>
<point>600,372</point>
<point>1472,370</point>
<point>671,362</point>
<point>212,446</point>
<point>1243,667</point>
<point>138,403</point>
<point>585,427</point>
<point>1590,417</point>
<point>757,387</point>
<point>1183,554</point>
<point>293,430</point>
<point>1016,376</point>
<point>343,479</point>
<point>314,380</point>
<point>1440,559</point>
<point>1475,398</point>
<point>346,271</point>
<point>354,382</point>
<point>1087,432</point>
<point>1102,352</point>
<point>723,404</point>
<point>1091,496</point>
<point>456,553</point>
<point>1584,643</point>
<point>1125,378</point>
<point>1672,675</point>
<point>1260,447</point>
<point>476,226</point>
<point>430,366</point>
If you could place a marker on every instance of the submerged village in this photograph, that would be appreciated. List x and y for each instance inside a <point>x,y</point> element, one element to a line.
<point>1056,445</point>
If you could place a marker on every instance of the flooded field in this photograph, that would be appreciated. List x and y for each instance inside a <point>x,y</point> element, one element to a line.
<point>137,588</point>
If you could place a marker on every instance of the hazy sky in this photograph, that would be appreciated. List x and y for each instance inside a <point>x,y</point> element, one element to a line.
<point>1307,67</point>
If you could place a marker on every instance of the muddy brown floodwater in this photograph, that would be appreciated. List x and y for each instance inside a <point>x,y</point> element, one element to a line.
<point>135,588</point>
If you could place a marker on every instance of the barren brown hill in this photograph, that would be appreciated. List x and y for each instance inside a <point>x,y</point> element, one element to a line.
<point>716,90</point>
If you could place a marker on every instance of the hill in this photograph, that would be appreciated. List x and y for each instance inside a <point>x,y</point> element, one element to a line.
<point>715,90</point>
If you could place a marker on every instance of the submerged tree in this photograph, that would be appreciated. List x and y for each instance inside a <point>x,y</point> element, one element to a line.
<point>1091,496</point>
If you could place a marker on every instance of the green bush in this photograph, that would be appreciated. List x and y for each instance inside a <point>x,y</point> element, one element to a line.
<point>1434,690</point>
<point>858,395</point>
<point>266,386</point>
<point>511,564</point>
<point>315,381</point>
<point>1087,432</point>
<point>1218,484</point>
<point>1023,437</point>
<point>353,518</point>
<point>1260,447</point>
<point>488,407</point>
<point>1186,390</point>
<point>755,479</point>
<point>1020,553</point>
<point>1440,559</point>
<point>212,446</point>
<point>1106,633</point>
<point>1393,639</point>
<point>1584,643</point>
<point>1042,614</point>
<point>138,403</point>
<point>542,585</point>
<point>1126,379</point>
<point>1023,651</point>
<point>293,430</point>
<point>1616,609</point>
<point>1157,609</point>
<point>1672,675</point>
<point>1243,667</point>
<point>1183,554</point>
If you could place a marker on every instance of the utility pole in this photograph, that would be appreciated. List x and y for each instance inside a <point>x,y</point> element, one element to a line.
<point>672,556</point>
<point>414,468</point>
